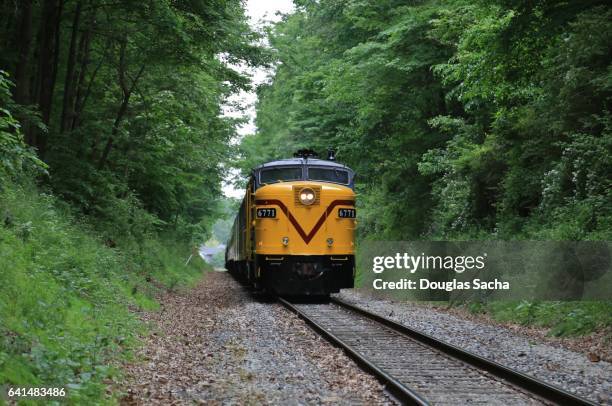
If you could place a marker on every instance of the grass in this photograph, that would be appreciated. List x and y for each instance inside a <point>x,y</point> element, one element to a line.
<point>65,296</point>
<point>169,268</point>
<point>562,319</point>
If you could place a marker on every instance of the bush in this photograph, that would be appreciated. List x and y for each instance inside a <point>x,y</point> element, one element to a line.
<point>65,295</point>
<point>15,156</point>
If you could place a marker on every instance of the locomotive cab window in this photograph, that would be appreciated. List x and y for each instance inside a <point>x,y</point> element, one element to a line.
<point>328,175</point>
<point>273,175</point>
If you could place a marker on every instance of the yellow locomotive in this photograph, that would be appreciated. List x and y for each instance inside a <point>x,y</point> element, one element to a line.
<point>294,232</point>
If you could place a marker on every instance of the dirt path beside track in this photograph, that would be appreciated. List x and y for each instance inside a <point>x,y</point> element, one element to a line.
<point>217,344</point>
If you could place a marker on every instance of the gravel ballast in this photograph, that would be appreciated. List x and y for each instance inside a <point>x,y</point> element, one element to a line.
<point>570,370</point>
<point>216,344</point>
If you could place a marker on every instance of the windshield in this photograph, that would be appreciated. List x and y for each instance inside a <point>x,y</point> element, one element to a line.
<point>328,175</point>
<point>280,174</point>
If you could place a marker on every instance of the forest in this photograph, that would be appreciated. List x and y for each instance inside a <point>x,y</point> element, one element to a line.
<point>113,146</point>
<point>121,104</point>
<point>463,119</point>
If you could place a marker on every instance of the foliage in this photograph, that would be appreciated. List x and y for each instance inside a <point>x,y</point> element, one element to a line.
<point>222,227</point>
<point>563,318</point>
<point>64,295</point>
<point>15,156</point>
<point>112,141</point>
<point>130,103</point>
<point>463,119</point>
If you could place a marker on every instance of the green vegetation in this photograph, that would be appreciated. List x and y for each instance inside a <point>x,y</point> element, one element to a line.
<point>122,102</point>
<point>222,227</point>
<point>65,295</point>
<point>465,120</point>
<point>112,145</point>
<point>561,318</point>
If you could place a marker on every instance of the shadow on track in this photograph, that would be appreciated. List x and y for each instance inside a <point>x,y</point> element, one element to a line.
<point>262,296</point>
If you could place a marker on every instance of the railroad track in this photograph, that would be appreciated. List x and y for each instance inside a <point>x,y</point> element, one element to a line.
<point>419,369</point>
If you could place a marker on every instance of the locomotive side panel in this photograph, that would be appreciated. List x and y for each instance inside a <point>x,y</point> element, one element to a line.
<point>238,246</point>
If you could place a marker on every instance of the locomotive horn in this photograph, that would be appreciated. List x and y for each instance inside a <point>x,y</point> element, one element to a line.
<point>306,153</point>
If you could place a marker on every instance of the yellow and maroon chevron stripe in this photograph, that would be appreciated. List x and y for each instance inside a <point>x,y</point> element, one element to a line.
<point>296,224</point>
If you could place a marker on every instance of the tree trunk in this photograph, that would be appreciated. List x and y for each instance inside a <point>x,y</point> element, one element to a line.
<point>68,101</point>
<point>83,90</point>
<point>114,131</point>
<point>127,92</point>
<point>24,40</point>
<point>47,64</point>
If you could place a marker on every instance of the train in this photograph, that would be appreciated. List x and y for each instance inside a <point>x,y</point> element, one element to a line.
<point>294,233</point>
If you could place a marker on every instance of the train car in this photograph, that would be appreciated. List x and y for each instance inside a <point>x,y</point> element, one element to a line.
<point>294,232</point>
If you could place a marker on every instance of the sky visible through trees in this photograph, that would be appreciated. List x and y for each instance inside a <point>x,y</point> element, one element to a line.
<point>260,14</point>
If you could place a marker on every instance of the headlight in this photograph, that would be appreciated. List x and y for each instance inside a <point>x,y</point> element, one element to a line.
<point>307,196</point>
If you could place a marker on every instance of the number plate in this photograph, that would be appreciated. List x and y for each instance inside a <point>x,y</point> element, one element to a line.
<point>347,213</point>
<point>266,213</point>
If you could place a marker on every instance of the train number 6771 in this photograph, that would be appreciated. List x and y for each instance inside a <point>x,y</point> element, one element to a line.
<point>262,213</point>
<point>347,213</point>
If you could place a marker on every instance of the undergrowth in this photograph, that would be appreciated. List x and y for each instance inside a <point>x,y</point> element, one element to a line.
<point>66,294</point>
<point>561,318</point>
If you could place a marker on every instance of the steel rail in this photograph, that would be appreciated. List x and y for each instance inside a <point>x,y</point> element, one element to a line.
<point>528,383</point>
<point>398,390</point>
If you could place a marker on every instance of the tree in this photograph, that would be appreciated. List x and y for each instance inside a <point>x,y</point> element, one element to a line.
<point>130,97</point>
<point>463,119</point>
